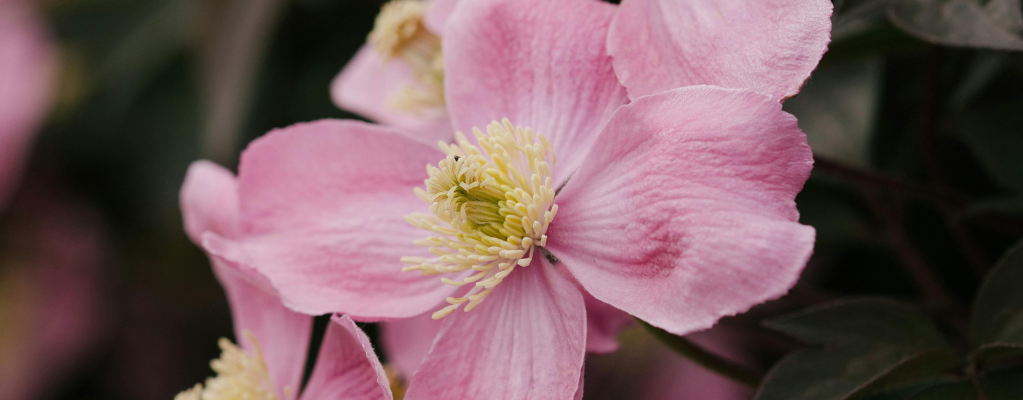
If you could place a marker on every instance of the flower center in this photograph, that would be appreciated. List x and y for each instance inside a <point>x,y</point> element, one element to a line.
<point>490,208</point>
<point>399,33</point>
<point>239,375</point>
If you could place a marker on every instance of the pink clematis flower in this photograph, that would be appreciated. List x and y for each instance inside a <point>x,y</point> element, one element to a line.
<point>397,78</point>
<point>768,46</point>
<point>26,71</point>
<point>677,208</point>
<point>274,339</point>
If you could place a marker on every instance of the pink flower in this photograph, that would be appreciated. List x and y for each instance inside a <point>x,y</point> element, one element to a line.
<point>677,208</point>
<point>397,78</point>
<point>26,73</point>
<point>769,46</point>
<point>52,300</point>
<point>274,340</point>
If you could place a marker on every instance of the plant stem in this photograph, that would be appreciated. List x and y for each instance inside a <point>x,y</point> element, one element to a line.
<point>738,373</point>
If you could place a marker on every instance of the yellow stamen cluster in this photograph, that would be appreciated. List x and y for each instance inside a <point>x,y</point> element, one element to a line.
<point>399,33</point>
<point>239,376</point>
<point>491,206</point>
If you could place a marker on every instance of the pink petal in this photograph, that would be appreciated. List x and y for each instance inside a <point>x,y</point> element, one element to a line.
<point>525,341</point>
<point>347,368</point>
<point>407,341</point>
<point>209,201</point>
<point>437,15</point>
<point>768,46</point>
<point>283,334</point>
<point>26,73</point>
<point>365,86</point>
<point>322,216</point>
<point>684,212</point>
<point>540,63</point>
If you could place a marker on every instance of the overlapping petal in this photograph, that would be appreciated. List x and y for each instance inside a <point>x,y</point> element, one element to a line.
<point>542,64</point>
<point>322,216</point>
<point>347,368</point>
<point>526,341</point>
<point>769,46</point>
<point>407,341</point>
<point>26,74</point>
<point>684,211</point>
<point>209,204</point>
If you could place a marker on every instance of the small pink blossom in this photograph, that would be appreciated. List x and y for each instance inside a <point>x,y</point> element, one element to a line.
<point>26,74</point>
<point>371,82</point>
<point>274,340</point>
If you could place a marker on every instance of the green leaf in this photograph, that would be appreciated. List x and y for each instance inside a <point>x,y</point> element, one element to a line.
<point>871,320</point>
<point>835,373</point>
<point>1003,385</point>
<point>996,24</point>
<point>998,309</point>
<point>869,346</point>
<point>994,136</point>
<point>948,391</point>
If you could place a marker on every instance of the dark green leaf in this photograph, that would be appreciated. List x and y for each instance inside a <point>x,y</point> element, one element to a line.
<point>994,24</point>
<point>869,346</point>
<point>998,309</point>
<point>834,373</point>
<point>994,136</point>
<point>1003,385</point>
<point>948,391</point>
<point>863,320</point>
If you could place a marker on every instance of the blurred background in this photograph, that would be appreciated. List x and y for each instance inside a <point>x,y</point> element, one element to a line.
<point>915,116</point>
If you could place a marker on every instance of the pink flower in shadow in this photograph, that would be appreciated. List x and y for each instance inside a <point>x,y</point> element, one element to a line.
<point>677,208</point>
<point>26,77</point>
<point>346,366</point>
<point>52,301</point>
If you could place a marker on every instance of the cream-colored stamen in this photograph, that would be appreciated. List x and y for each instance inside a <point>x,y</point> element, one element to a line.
<point>240,375</point>
<point>400,33</point>
<point>490,209</point>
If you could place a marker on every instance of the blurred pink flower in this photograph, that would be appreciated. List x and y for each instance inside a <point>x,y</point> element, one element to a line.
<point>373,83</point>
<point>677,208</point>
<point>52,302</point>
<point>274,340</point>
<point>26,77</point>
<point>767,46</point>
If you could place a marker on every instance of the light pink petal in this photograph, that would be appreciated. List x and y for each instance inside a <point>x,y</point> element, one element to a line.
<point>322,216</point>
<point>540,63</point>
<point>525,341</point>
<point>26,73</point>
<point>684,212</point>
<point>437,15</point>
<point>770,46</point>
<point>674,377</point>
<point>209,201</point>
<point>367,83</point>
<point>407,341</point>
<point>283,334</point>
<point>347,368</point>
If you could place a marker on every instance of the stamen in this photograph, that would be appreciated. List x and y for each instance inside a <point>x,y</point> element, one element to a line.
<point>490,207</point>
<point>399,32</point>
<point>239,376</point>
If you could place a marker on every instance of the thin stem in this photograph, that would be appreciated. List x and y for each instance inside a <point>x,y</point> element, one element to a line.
<point>738,373</point>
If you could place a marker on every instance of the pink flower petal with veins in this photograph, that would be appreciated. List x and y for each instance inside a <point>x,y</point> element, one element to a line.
<point>769,46</point>
<point>684,211</point>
